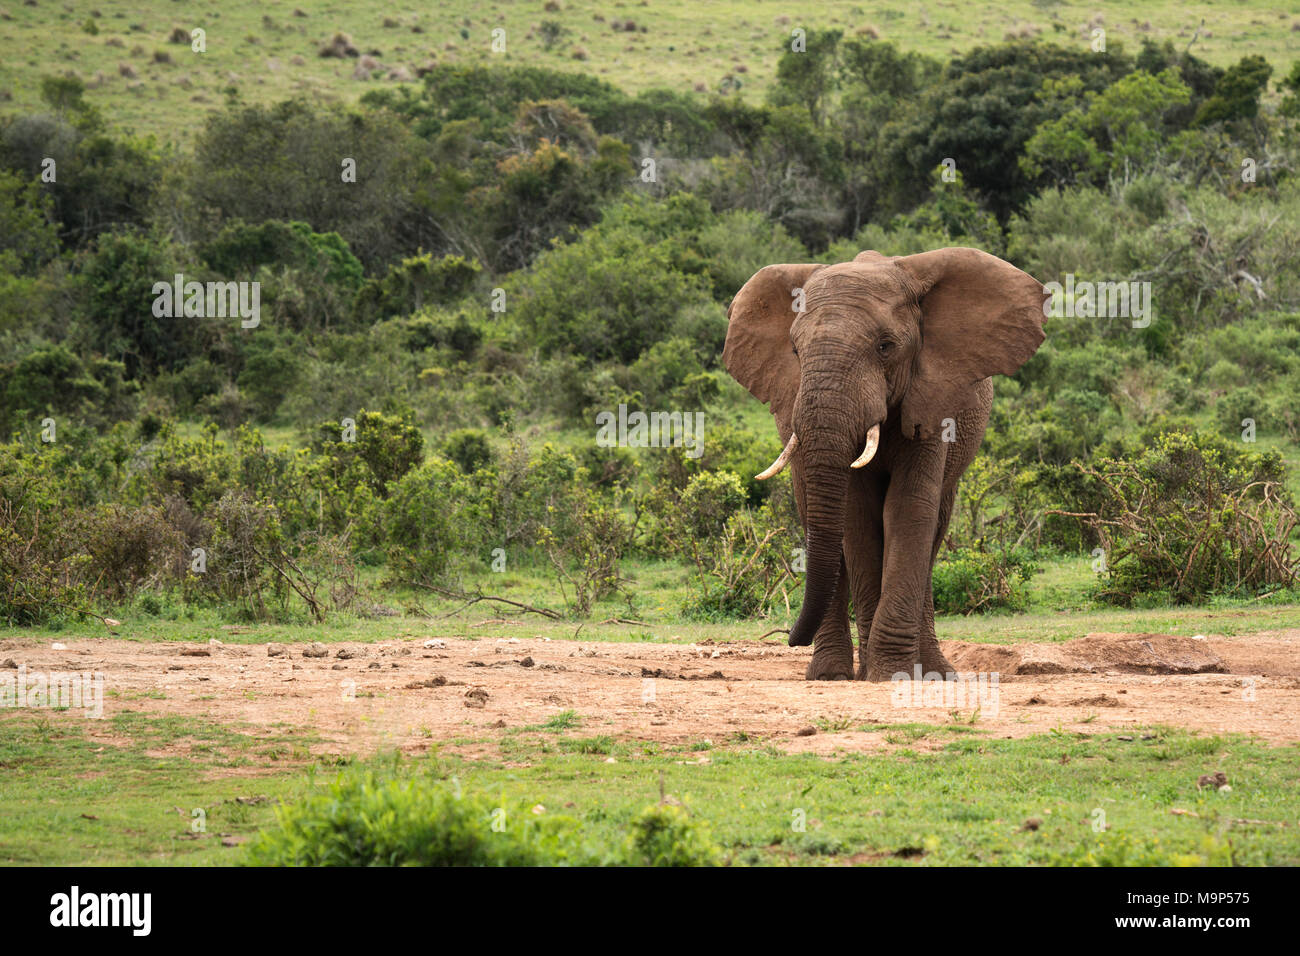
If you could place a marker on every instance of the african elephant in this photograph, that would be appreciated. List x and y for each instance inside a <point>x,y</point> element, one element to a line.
<point>877,372</point>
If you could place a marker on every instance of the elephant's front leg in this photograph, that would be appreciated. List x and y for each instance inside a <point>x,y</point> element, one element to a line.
<point>910,521</point>
<point>864,552</point>
<point>832,645</point>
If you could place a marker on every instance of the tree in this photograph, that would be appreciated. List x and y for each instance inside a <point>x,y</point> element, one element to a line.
<point>981,113</point>
<point>808,77</point>
<point>1236,95</point>
<point>1115,133</point>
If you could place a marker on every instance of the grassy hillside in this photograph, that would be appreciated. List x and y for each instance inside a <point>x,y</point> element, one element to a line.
<point>266,51</point>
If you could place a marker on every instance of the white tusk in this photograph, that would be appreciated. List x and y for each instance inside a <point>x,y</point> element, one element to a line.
<point>781,459</point>
<point>869,449</point>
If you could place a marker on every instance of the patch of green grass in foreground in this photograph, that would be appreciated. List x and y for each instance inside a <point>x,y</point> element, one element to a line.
<point>972,801</point>
<point>124,790</point>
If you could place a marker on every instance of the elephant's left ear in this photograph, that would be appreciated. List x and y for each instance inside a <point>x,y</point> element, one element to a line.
<point>980,316</point>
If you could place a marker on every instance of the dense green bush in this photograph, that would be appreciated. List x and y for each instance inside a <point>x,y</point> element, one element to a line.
<point>666,835</point>
<point>429,521</point>
<point>468,448</point>
<point>1192,516</point>
<point>967,581</point>
<point>605,296</point>
<point>363,819</point>
<point>387,445</point>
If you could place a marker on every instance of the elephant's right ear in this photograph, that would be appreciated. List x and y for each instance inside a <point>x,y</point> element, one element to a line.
<point>758,353</point>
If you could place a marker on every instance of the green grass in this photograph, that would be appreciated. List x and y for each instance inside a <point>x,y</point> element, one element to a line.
<point>66,797</point>
<point>128,794</point>
<point>251,47</point>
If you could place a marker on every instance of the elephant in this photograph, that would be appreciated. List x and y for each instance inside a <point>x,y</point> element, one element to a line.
<point>878,373</point>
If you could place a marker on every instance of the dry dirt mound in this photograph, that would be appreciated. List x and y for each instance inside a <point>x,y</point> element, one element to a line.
<point>1092,654</point>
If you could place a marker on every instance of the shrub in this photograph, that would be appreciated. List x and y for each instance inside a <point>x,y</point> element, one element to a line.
<point>740,572</point>
<point>608,295</point>
<point>388,446</point>
<point>429,520</point>
<point>967,580</point>
<point>365,821</point>
<point>117,281</point>
<point>415,282</point>
<point>586,558</point>
<point>683,520</point>
<point>468,448</point>
<point>665,835</point>
<point>1192,516</point>
<point>239,567</point>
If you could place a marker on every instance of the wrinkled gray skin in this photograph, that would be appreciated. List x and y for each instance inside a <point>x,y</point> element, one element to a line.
<point>909,344</point>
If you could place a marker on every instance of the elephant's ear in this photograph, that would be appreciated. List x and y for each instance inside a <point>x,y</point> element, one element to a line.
<point>980,316</point>
<point>758,353</point>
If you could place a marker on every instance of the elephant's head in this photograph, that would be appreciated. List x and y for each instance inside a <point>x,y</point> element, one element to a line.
<point>878,337</point>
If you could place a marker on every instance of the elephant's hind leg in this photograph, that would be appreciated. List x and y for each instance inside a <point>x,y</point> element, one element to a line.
<point>832,645</point>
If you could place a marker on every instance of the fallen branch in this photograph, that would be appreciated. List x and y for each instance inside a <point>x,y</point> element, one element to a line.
<point>527,608</point>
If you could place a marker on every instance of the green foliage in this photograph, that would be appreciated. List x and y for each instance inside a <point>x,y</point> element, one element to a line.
<point>309,280</point>
<point>415,282</point>
<point>366,819</point>
<point>606,296</point>
<point>427,518</point>
<point>740,572</point>
<point>985,108</point>
<point>363,820</point>
<point>298,175</point>
<point>387,445</point>
<point>1127,849</point>
<point>28,237</point>
<point>967,581</point>
<point>117,282</point>
<point>806,77</point>
<point>585,547</point>
<point>667,835</point>
<point>1192,517</point>
<point>55,380</point>
<point>706,503</point>
<point>1236,95</point>
<point>468,448</point>
<point>1115,133</point>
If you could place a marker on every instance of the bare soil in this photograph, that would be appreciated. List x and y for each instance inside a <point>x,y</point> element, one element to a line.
<point>466,695</point>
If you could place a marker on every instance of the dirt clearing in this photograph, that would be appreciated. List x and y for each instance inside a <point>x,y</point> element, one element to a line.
<point>466,694</point>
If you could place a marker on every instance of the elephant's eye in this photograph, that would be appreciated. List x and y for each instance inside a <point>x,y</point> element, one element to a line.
<point>885,347</point>
<point>794,350</point>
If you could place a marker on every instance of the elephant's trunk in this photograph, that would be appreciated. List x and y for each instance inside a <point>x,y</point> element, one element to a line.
<point>825,455</point>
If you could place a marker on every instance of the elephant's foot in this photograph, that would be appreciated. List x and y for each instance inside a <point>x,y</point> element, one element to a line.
<point>875,670</point>
<point>831,662</point>
<point>933,661</point>
<point>877,666</point>
<point>880,672</point>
